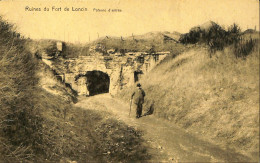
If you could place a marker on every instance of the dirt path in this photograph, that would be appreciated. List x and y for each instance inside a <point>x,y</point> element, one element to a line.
<point>167,142</point>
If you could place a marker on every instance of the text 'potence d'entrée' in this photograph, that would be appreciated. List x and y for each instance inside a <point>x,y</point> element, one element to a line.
<point>57,9</point>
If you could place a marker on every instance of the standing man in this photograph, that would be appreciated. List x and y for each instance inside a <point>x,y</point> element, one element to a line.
<point>138,99</point>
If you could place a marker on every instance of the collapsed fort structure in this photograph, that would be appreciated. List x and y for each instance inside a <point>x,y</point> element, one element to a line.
<point>98,73</point>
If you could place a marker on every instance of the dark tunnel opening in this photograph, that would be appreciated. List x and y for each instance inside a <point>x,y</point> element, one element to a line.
<point>97,82</point>
<point>137,75</point>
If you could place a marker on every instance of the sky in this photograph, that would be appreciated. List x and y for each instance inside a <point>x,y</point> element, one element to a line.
<point>136,17</point>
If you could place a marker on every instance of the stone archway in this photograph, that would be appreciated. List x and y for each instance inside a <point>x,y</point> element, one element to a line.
<point>97,82</point>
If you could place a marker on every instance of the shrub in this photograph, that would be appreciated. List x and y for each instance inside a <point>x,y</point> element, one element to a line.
<point>217,39</point>
<point>242,48</point>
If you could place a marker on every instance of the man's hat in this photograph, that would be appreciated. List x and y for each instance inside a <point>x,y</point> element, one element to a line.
<point>138,85</point>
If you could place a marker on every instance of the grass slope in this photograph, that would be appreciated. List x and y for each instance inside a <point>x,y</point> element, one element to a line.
<point>73,134</point>
<point>20,115</point>
<point>217,97</point>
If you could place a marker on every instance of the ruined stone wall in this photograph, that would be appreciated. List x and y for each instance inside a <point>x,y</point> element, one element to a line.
<point>120,69</point>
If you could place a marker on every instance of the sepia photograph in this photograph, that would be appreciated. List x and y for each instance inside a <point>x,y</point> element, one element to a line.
<point>118,81</point>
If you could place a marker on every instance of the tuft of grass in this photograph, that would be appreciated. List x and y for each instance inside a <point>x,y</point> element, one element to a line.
<point>243,47</point>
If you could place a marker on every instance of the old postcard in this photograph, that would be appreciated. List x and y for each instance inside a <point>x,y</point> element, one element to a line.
<point>129,81</point>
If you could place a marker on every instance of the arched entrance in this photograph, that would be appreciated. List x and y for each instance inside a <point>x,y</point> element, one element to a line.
<point>97,82</point>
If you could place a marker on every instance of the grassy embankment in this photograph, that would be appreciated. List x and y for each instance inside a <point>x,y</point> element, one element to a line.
<point>217,98</point>
<point>36,125</point>
<point>19,120</point>
<point>87,135</point>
